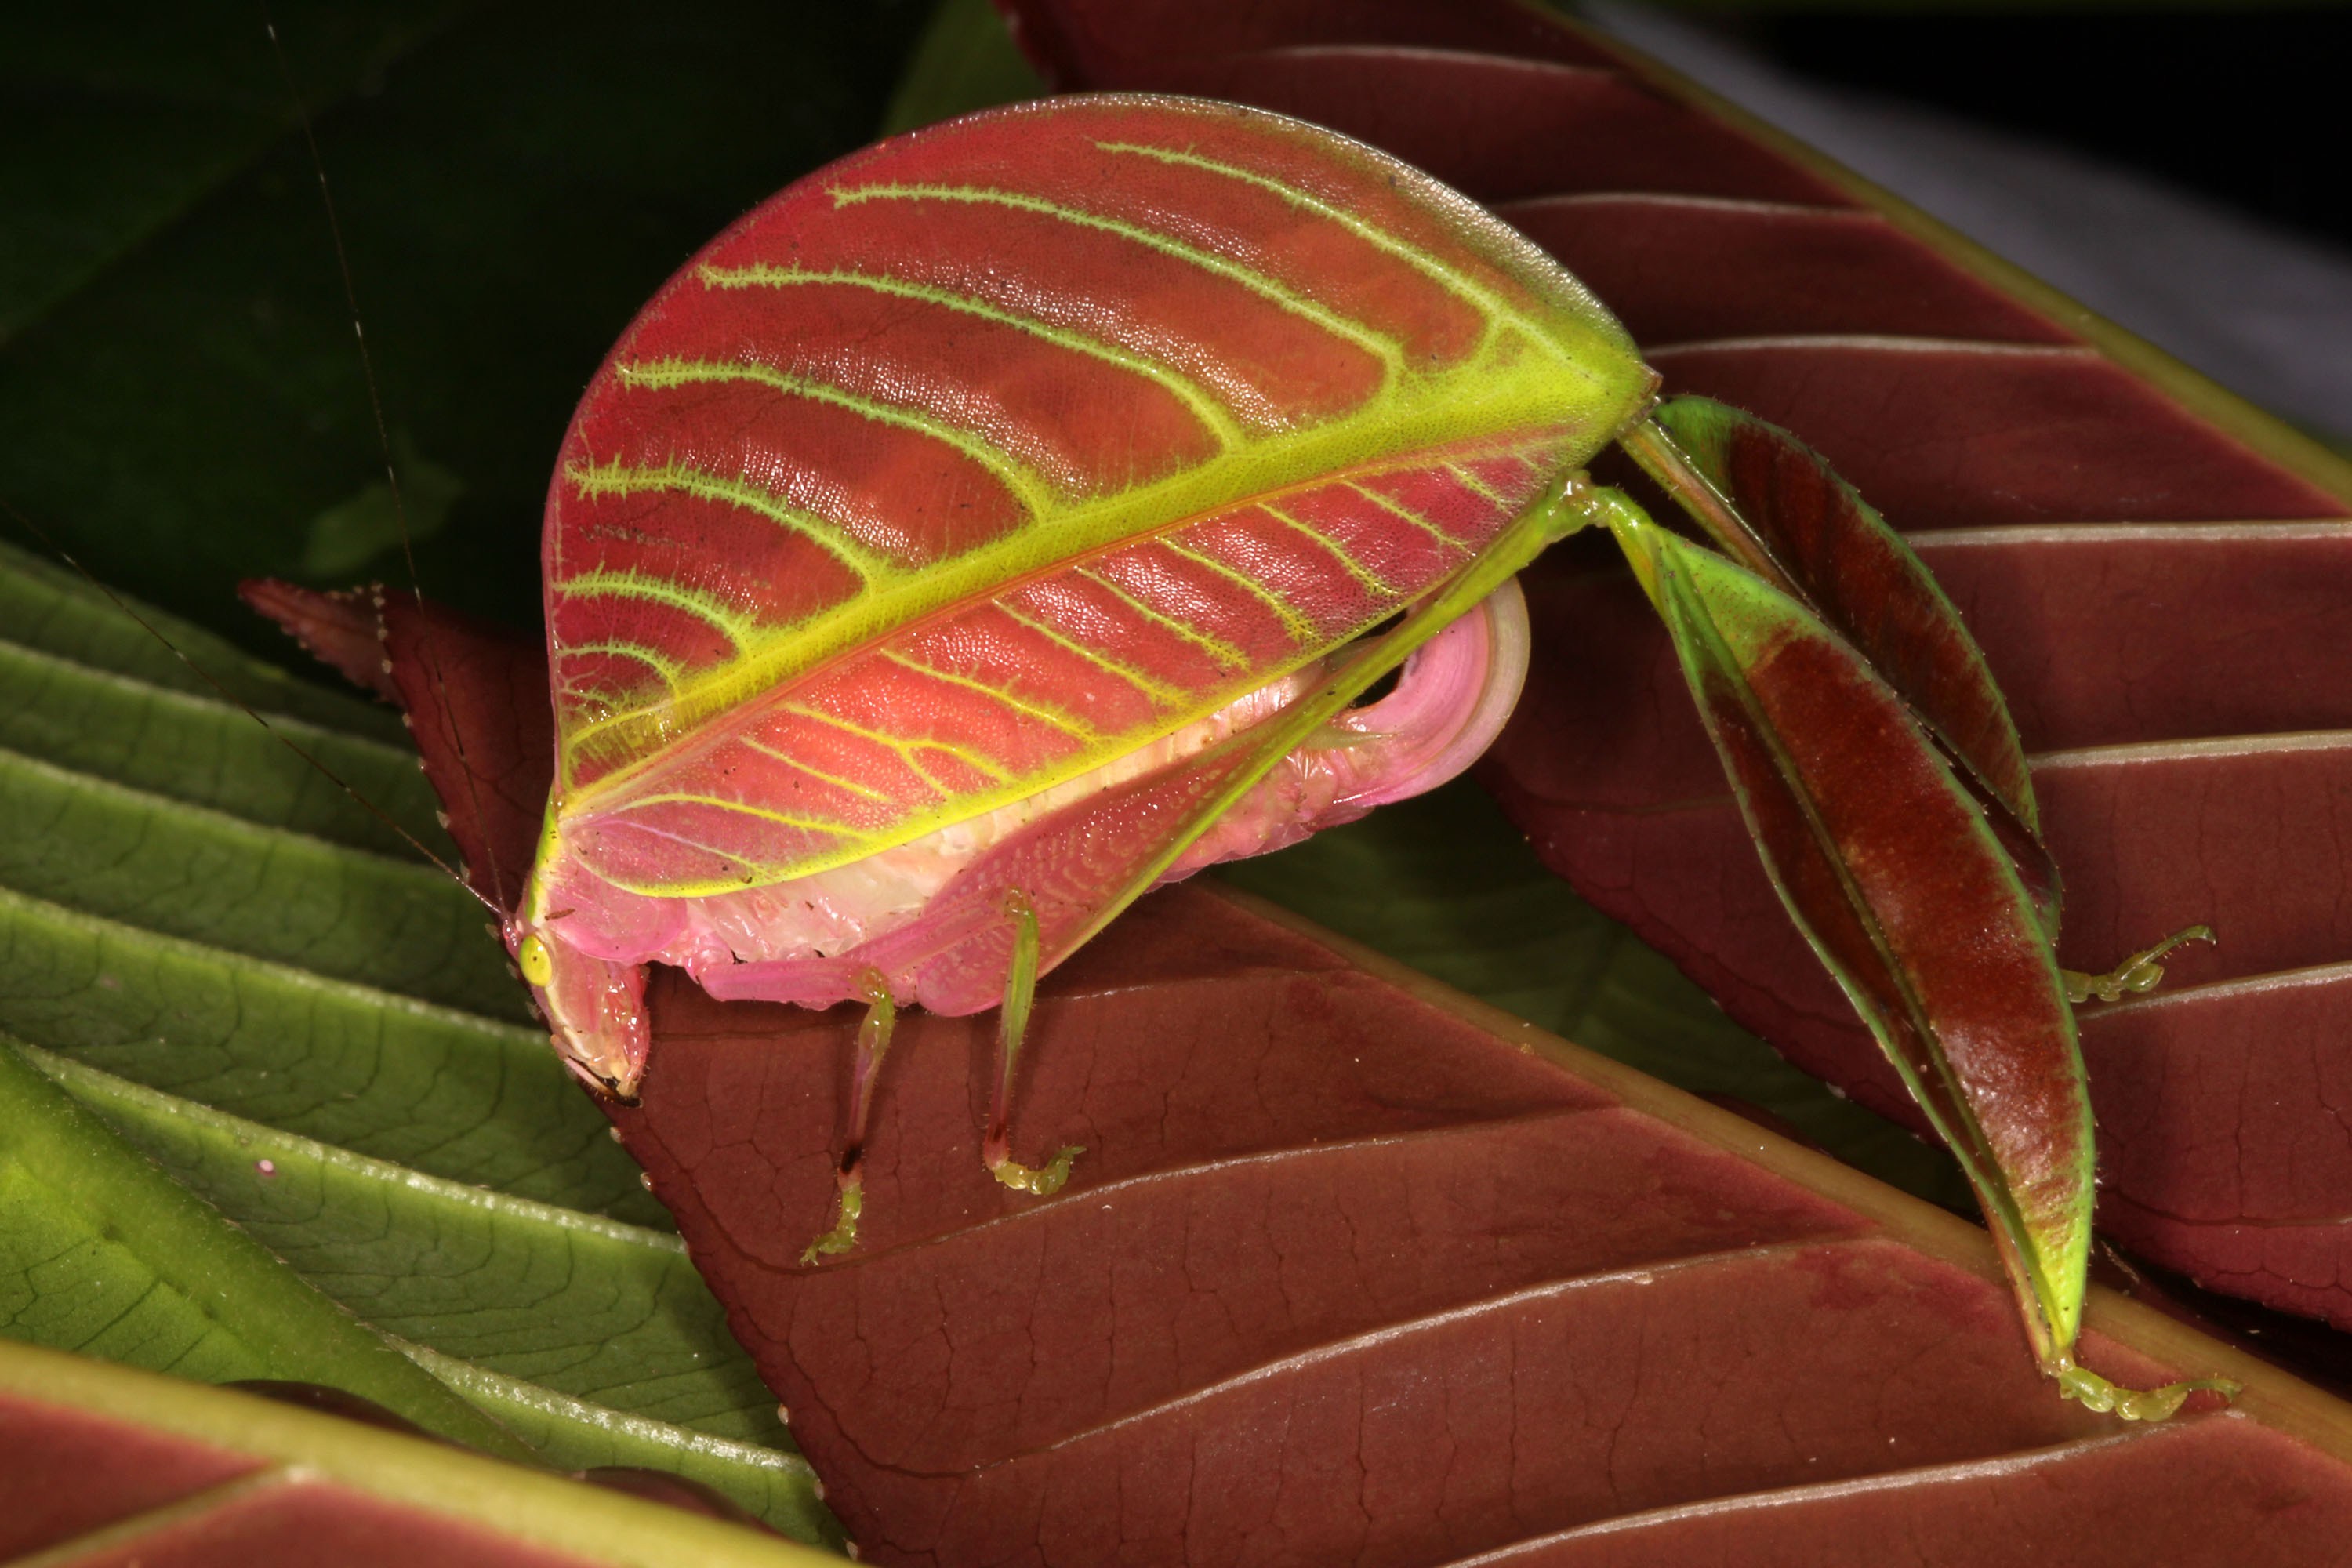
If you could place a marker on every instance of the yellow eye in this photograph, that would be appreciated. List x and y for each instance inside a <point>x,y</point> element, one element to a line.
<point>538,963</point>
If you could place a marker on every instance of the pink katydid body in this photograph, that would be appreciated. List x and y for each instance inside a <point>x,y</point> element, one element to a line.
<point>963,523</point>
<point>812,942</point>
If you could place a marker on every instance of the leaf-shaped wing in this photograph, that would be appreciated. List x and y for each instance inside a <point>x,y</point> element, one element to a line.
<point>975,461</point>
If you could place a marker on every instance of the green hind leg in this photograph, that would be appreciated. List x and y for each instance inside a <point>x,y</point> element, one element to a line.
<point>1011,1026</point>
<point>873,1044</point>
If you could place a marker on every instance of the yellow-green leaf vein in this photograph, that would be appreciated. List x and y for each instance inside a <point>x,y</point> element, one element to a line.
<point>1385,349</point>
<point>1214,416</point>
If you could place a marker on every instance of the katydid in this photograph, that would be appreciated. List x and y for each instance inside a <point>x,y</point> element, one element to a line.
<point>1016,516</point>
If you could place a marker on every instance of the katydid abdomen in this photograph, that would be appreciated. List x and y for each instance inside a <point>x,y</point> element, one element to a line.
<point>810,941</point>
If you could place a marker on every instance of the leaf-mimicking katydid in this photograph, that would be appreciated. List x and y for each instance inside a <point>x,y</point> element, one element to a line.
<point>1019,514</point>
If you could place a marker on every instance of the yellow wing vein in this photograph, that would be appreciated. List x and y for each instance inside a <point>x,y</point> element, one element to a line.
<point>905,748</point>
<point>680,479</point>
<point>1217,646</point>
<point>1407,515</point>
<point>1068,724</point>
<point>670,670</point>
<point>1353,567</point>
<point>1474,484</point>
<point>1385,349</point>
<point>1296,625</point>
<point>868,790</point>
<point>660,591</point>
<point>1496,312</point>
<point>744,808</point>
<point>1159,690</point>
<point>1024,481</point>
<point>1213,416</point>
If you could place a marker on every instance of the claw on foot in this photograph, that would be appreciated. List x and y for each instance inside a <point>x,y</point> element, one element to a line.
<point>843,1236</point>
<point>1040,1181</point>
<point>2139,973</point>
<point>2097,1394</point>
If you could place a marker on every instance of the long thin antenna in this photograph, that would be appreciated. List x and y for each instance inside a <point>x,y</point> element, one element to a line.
<point>206,675</point>
<point>383,443</point>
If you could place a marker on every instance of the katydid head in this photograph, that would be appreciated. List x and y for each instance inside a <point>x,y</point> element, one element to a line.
<point>595,1008</point>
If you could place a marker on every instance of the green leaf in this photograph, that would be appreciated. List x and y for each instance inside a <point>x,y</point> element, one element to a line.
<point>178,370</point>
<point>300,1030</point>
<point>101,1252</point>
<point>966,59</point>
<point>218,948</point>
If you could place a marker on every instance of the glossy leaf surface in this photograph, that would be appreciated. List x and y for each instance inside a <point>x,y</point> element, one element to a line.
<point>978,460</point>
<point>2153,569</point>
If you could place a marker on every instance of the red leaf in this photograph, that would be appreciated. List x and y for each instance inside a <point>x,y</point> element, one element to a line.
<point>1352,1271</point>
<point>339,629</point>
<point>74,1472</point>
<point>107,1465</point>
<point>1967,436</point>
<point>1678,267</point>
<point>1350,1276</point>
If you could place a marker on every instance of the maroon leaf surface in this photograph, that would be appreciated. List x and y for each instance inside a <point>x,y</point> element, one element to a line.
<point>1349,1275</point>
<point>1358,1267</point>
<point>2157,575</point>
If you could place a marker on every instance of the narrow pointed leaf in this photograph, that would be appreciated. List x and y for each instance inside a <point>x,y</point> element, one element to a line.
<point>601,1312</point>
<point>101,1252</point>
<point>988,456</point>
<point>1907,896</point>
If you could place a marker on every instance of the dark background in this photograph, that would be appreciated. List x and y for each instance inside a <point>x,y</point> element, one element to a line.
<point>2246,107</point>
